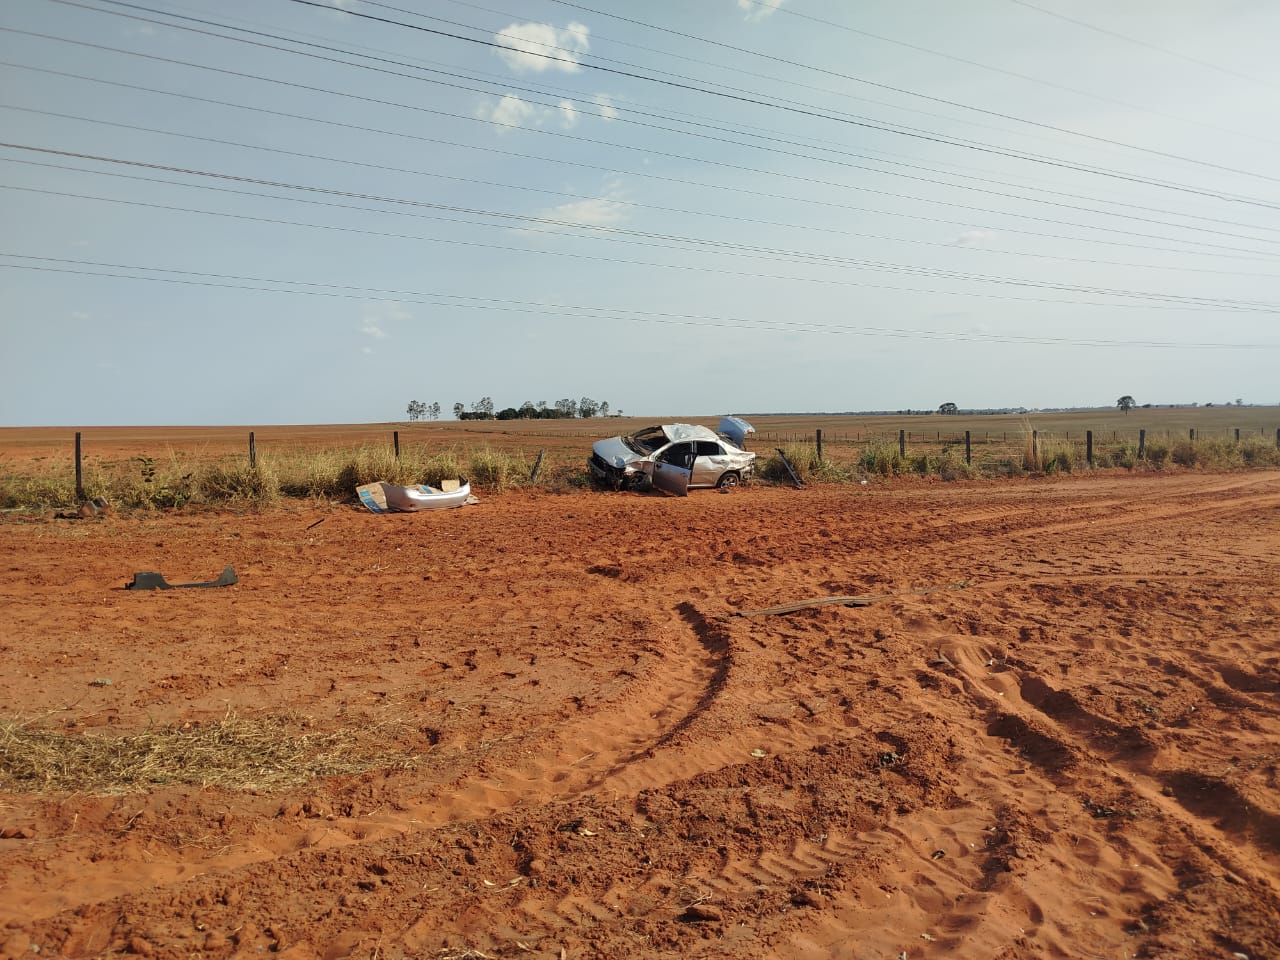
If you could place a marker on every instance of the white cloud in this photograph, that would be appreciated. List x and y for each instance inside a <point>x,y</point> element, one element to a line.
<point>568,114</point>
<point>375,318</point>
<point>511,111</point>
<point>757,10</point>
<point>605,106</point>
<point>606,210</point>
<point>971,238</point>
<point>536,47</point>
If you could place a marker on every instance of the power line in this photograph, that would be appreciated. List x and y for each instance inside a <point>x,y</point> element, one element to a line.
<point>844,76</point>
<point>1255,255</point>
<point>737,250</point>
<point>787,11</point>
<point>744,97</point>
<point>560,90</point>
<point>1163,302</point>
<point>668,154</point>
<point>558,193</point>
<point>212,174</point>
<point>982,190</point>
<point>435,298</point>
<point>1143,43</point>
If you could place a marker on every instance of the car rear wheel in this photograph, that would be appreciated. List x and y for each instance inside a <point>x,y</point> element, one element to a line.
<point>728,481</point>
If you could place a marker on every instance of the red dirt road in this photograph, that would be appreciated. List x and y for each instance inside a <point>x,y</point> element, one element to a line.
<point>1069,751</point>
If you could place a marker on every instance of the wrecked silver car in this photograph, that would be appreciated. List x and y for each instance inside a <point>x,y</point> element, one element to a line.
<point>675,457</point>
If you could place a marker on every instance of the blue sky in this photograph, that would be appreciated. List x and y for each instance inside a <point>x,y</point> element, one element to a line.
<point>277,211</point>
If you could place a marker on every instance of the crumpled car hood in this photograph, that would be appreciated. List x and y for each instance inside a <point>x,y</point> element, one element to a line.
<point>614,452</point>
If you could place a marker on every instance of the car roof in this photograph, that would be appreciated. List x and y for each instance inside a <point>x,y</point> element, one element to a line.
<point>676,432</point>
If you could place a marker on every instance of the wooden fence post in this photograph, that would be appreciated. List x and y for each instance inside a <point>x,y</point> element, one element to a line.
<point>818,434</point>
<point>1237,434</point>
<point>1088,447</point>
<point>79,475</point>
<point>395,442</point>
<point>253,452</point>
<point>968,453</point>
<point>1142,444</point>
<point>902,442</point>
<point>1035,449</point>
<point>1193,433</point>
<point>537,465</point>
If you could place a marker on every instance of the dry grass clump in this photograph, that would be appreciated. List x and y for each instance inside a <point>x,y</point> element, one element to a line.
<point>268,753</point>
<point>499,469</point>
<point>883,458</point>
<point>1259,451</point>
<point>44,490</point>
<point>952,466</point>
<point>240,482</point>
<point>803,458</point>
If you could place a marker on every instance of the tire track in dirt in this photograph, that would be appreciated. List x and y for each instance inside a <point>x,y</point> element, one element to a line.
<point>1074,746</point>
<point>585,753</point>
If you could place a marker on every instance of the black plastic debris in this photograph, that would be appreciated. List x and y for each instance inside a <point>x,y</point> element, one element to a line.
<point>155,581</point>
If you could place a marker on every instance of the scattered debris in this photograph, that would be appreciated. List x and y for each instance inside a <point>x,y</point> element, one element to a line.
<point>864,601</point>
<point>937,855</point>
<point>316,524</point>
<point>151,580</point>
<point>1099,811</point>
<point>889,758</point>
<point>94,509</point>
<point>100,682</point>
<point>382,497</point>
<point>759,754</point>
<point>701,913</point>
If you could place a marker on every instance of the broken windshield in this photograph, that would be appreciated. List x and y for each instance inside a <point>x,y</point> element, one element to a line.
<point>646,441</point>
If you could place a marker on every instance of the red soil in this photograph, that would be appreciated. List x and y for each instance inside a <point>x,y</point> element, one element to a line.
<point>1071,751</point>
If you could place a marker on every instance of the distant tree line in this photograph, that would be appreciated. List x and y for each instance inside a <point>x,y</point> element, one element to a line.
<point>421,411</point>
<point>483,409</point>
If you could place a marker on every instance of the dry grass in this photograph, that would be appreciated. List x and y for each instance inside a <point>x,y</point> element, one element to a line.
<point>497,455</point>
<point>235,753</point>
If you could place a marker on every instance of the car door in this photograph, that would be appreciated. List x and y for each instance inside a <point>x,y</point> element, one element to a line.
<point>673,467</point>
<point>708,464</point>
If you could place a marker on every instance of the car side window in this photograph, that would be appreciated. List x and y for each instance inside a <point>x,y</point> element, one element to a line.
<point>709,448</point>
<point>678,454</point>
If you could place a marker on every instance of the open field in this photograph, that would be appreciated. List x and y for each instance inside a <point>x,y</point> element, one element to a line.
<point>167,466</point>
<point>536,728</point>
